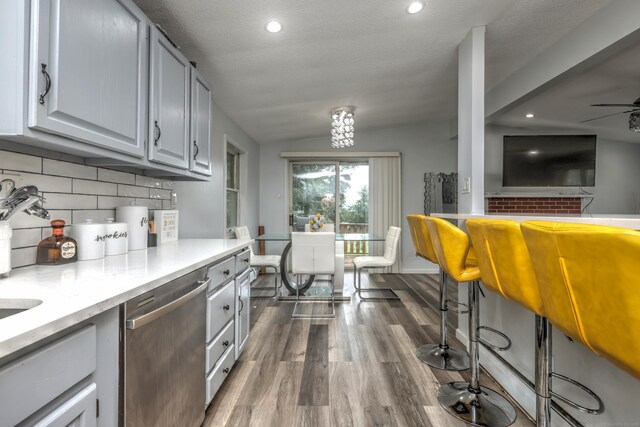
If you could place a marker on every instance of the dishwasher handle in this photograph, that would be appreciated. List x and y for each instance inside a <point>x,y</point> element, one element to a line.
<point>140,321</point>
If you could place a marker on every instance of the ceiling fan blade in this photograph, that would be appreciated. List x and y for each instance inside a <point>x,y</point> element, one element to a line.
<point>616,105</point>
<point>609,115</point>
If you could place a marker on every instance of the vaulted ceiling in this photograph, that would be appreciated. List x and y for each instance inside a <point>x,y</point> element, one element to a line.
<point>396,68</point>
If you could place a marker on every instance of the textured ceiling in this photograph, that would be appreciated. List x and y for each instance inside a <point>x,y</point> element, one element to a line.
<point>394,67</point>
<point>614,81</point>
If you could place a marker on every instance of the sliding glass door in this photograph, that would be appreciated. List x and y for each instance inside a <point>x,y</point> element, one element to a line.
<point>339,191</point>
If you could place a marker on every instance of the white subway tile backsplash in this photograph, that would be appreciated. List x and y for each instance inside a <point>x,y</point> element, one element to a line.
<point>22,257</point>
<point>20,162</point>
<point>71,170</point>
<point>132,191</point>
<point>108,175</point>
<point>56,184</point>
<point>24,220</point>
<point>81,186</point>
<point>146,181</point>
<point>155,193</point>
<point>25,237</point>
<point>74,193</point>
<point>150,203</point>
<point>96,215</point>
<point>108,202</point>
<point>70,201</point>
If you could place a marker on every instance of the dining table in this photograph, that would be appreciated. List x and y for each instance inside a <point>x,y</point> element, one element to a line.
<point>289,281</point>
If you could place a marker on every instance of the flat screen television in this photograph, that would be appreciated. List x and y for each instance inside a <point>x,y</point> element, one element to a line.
<point>549,161</point>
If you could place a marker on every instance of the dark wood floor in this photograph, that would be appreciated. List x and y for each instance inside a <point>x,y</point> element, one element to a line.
<point>358,369</point>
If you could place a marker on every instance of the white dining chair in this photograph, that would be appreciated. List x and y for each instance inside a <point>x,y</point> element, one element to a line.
<point>338,277</point>
<point>261,261</point>
<point>388,259</point>
<point>313,254</point>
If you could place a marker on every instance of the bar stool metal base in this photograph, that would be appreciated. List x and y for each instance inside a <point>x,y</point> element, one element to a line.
<point>439,357</point>
<point>485,407</point>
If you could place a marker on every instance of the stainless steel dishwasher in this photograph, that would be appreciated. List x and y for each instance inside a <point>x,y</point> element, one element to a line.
<point>163,351</point>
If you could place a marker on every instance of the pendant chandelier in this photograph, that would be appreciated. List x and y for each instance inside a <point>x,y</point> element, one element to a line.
<point>342,127</point>
<point>634,122</point>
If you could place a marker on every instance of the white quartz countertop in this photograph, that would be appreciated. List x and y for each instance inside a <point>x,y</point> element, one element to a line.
<point>75,292</point>
<point>613,220</point>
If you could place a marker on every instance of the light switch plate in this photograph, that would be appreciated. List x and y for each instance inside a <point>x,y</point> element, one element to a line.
<point>466,185</point>
<point>173,200</point>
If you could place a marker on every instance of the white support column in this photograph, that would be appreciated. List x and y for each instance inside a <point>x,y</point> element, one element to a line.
<point>471,122</point>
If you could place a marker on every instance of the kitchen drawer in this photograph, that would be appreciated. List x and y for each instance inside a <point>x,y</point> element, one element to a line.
<point>219,345</point>
<point>220,309</point>
<point>29,383</point>
<point>221,272</point>
<point>217,377</point>
<point>242,260</point>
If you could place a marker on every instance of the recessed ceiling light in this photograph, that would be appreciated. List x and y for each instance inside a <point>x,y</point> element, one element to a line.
<point>529,116</point>
<point>415,7</point>
<point>274,27</point>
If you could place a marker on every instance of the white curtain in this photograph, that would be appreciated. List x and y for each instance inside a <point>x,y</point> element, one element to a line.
<point>384,201</point>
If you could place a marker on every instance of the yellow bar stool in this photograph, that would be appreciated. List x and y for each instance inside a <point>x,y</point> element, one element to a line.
<point>589,286</point>
<point>506,269</point>
<point>440,355</point>
<point>468,402</point>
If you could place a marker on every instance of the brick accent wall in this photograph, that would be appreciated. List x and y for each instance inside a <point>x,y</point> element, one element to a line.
<point>535,205</point>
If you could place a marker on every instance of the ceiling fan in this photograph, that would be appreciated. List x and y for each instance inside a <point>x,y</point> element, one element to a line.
<point>634,117</point>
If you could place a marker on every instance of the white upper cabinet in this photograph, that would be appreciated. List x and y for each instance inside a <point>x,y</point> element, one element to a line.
<point>168,103</point>
<point>88,72</point>
<point>201,108</point>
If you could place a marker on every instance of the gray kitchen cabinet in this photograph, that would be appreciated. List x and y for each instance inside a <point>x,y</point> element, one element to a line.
<point>201,108</point>
<point>228,302</point>
<point>88,72</point>
<point>243,308</point>
<point>168,103</point>
<point>78,411</point>
<point>65,378</point>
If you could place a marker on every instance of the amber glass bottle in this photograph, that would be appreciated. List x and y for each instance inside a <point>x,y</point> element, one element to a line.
<point>57,248</point>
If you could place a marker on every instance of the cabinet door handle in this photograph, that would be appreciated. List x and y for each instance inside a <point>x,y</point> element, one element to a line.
<point>246,260</point>
<point>197,149</point>
<point>226,272</point>
<point>241,305</point>
<point>225,371</point>
<point>47,83</point>
<point>225,343</point>
<point>157,133</point>
<point>226,307</point>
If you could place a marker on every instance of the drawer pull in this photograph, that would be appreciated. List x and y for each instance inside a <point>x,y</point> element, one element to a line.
<point>225,371</point>
<point>225,343</point>
<point>225,307</point>
<point>226,272</point>
<point>246,260</point>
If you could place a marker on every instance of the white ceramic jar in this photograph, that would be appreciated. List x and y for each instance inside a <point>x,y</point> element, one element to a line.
<point>89,236</point>
<point>137,220</point>
<point>5,247</point>
<point>116,237</point>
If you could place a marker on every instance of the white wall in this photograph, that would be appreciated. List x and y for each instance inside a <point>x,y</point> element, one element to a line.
<point>424,148</point>
<point>201,204</point>
<point>617,172</point>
